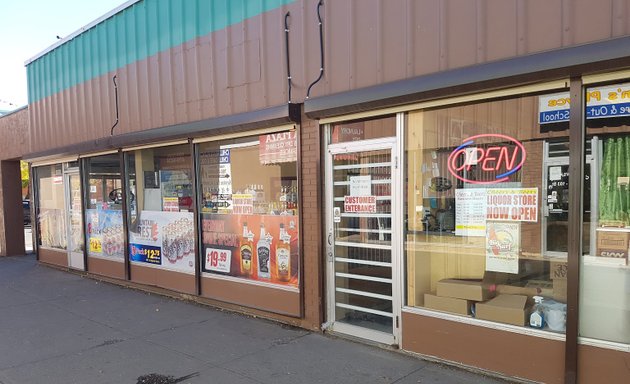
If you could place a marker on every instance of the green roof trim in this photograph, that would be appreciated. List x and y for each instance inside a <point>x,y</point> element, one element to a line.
<point>135,33</point>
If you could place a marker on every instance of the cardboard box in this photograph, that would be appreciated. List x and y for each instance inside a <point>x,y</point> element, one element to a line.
<point>531,288</point>
<point>509,309</point>
<point>504,289</point>
<point>612,243</point>
<point>558,270</point>
<point>447,304</point>
<point>560,291</point>
<point>474,290</point>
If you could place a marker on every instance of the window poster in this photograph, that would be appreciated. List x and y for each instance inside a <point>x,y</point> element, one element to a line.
<point>476,206</point>
<point>105,233</point>
<point>470,219</point>
<point>276,148</point>
<point>503,243</point>
<point>513,204</point>
<point>254,247</point>
<point>361,185</point>
<point>164,239</point>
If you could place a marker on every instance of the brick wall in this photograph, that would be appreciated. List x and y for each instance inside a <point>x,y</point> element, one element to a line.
<point>312,214</point>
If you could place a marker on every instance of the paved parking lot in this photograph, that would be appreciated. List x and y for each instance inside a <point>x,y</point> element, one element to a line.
<point>59,327</point>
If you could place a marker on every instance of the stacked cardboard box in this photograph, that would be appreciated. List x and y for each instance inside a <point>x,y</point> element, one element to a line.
<point>509,309</point>
<point>613,243</point>
<point>558,273</point>
<point>457,296</point>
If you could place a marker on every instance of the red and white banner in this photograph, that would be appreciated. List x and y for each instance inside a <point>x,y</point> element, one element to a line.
<point>278,148</point>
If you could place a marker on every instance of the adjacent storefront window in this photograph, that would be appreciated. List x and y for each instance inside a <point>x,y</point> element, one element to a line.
<point>486,210</point>
<point>51,207</point>
<point>104,218</point>
<point>249,208</point>
<point>160,199</point>
<point>605,275</point>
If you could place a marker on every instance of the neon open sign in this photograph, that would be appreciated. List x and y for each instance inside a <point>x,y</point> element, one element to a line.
<point>491,158</point>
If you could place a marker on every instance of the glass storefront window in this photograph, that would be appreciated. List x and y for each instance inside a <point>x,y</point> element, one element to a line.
<point>160,200</point>
<point>605,275</point>
<point>486,210</point>
<point>51,207</point>
<point>104,216</point>
<point>249,194</point>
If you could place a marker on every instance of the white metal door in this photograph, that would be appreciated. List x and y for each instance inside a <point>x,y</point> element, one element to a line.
<point>75,220</point>
<point>363,234</point>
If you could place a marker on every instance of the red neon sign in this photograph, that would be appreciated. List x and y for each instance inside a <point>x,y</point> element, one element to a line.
<point>491,158</point>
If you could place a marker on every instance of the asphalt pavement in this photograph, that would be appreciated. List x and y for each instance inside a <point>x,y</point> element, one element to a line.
<point>60,327</point>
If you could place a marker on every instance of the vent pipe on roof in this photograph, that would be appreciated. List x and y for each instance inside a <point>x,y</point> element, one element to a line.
<point>321,49</point>
<point>116,99</point>
<point>286,38</point>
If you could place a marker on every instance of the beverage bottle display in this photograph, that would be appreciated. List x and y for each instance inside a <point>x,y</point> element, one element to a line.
<point>283,255</point>
<point>263,252</point>
<point>247,252</point>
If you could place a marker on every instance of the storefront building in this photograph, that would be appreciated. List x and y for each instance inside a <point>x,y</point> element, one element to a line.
<point>450,178</point>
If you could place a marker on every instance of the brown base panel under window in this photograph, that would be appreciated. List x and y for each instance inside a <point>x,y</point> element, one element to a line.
<point>52,256</point>
<point>254,296</point>
<point>107,268</point>
<point>508,353</point>
<point>175,281</point>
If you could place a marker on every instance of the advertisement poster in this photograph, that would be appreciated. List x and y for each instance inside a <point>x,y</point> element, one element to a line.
<point>176,184</point>
<point>278,148</point>
<point>503,243</point>
<point>225,182</point>
<point>601,103</point>
<point>255,247</point>
<point>105,233</point>
<point>470,219</point>
<point>165,239</point>
<point>170,204</point>
<point>475,206</point>
<point>512,204</point>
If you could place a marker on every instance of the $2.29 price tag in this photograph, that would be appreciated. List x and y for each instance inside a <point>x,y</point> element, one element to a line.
<point>218,260</point>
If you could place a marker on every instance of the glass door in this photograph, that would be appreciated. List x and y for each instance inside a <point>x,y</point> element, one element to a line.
<point>75,221</point>
<point>363,293</point>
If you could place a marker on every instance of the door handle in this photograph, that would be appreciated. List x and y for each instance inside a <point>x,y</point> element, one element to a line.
<point>329,251</point>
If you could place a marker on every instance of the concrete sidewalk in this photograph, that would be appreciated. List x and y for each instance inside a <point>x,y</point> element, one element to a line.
<point>58,327</point>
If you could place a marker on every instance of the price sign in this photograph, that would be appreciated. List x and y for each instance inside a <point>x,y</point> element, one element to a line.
<point>218,260</point>
<point>96,245</point>
<point>153,256</point>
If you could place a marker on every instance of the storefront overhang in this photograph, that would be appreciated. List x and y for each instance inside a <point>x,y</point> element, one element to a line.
<point>263,118</point>
<point>561,63</point>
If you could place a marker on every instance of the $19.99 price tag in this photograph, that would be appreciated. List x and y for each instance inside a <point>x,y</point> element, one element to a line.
<point>218,260</point>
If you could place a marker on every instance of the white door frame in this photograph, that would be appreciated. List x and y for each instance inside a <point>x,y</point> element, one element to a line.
<point>76,260</point>
<point>394,144</point>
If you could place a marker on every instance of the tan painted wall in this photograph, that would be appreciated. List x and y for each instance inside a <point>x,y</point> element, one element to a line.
<point>369,42</point>
<point>14,135</point>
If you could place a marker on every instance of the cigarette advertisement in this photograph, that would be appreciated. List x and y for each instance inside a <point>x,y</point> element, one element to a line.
<point>503,243</point>
<point>254,247</point>
<point>105,233</point>
<point>164,239</point>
